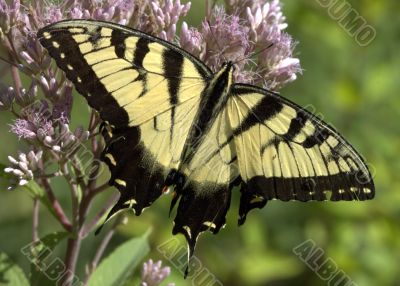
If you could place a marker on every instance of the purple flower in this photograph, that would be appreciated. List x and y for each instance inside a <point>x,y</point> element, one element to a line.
<point>239,7</point>
<point>191,39</point>
<point>119,11</point>
<point>9,15</point>
<point>34,121</point>
<point>252,36</point>
<point>153,274</point>
<point>66,141</point>
<point>124,10</point>
<point>7,96</point>
<point>167,14</point>
<point>78,13</point>
<point>24,129</point>
<point>53,13</point>
<point>26,97</point>
<point>24,167</point>
<point>275,65</point>
<point>221,39</point>
<point>226,38</point>
<point>63,104</point>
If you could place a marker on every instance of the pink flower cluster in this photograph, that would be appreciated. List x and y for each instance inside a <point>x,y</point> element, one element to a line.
<point>250,33</point>
<point>153,273</point>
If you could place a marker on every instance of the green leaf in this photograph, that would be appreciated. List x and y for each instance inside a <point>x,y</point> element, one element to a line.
<point>115,269</point>
<point>45,268</point>
<point>37,192</point>
<point>10,273</point>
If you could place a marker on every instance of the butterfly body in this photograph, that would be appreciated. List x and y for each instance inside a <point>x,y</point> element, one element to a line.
<point>169,122</point>
<point>213,100</point>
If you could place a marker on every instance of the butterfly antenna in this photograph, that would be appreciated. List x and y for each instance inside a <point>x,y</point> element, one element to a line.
<point>216,41</point>
<point>254,54</point>
<point>210,8</point>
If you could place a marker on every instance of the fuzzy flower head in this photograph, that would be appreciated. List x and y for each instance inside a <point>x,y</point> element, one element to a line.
<point>226,38</point>
<point>191,39</point>
<point>251,34</point>
<point>221,39</point>
<point>34,122</point>
<point>278,64</point>
<point>153,274</point>
<point>265,20</point>
<point>167,14</point>
<point>53,13</point>
<point>275,65</point>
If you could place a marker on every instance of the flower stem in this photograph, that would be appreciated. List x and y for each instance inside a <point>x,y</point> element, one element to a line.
<point>208,9</point>
<point>74,243</point>
<point>62,218</point>
<point>35,219</point>
<point>101,188</point>
<point>99,253</point>
<point>87,228</point>
<point>71,257</point>
<point>17,80</point>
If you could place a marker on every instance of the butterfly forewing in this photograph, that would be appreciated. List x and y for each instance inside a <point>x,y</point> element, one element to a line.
<point>145,89</point>
<point>122,72</point>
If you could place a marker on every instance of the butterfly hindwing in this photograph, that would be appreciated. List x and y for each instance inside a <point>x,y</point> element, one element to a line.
<point>141,157</point>
<point>209,176</point>
<point>285,153</point>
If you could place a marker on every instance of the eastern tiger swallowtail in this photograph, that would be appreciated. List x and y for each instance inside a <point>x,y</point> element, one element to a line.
<point>171,123</point>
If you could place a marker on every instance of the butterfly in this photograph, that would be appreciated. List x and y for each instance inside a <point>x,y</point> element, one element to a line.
<point>171,124</point>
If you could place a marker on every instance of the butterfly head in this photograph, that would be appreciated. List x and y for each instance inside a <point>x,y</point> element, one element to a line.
<point>229,67</point>
<point>225,75</point>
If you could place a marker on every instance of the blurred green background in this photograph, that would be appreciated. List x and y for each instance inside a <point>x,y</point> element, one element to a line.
<point>357,91</point>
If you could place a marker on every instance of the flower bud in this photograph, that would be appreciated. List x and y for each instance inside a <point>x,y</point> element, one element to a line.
<point>7,96</point>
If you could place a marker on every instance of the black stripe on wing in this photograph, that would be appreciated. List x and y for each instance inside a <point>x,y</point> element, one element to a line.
<point>123,32</point>
<point>201,207</point>
<point>83,48</point>
<point>267,108</point>
<point>128,162</point>
<point>70,59</point>
<point>173,65</point>
<point>339,172</point>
